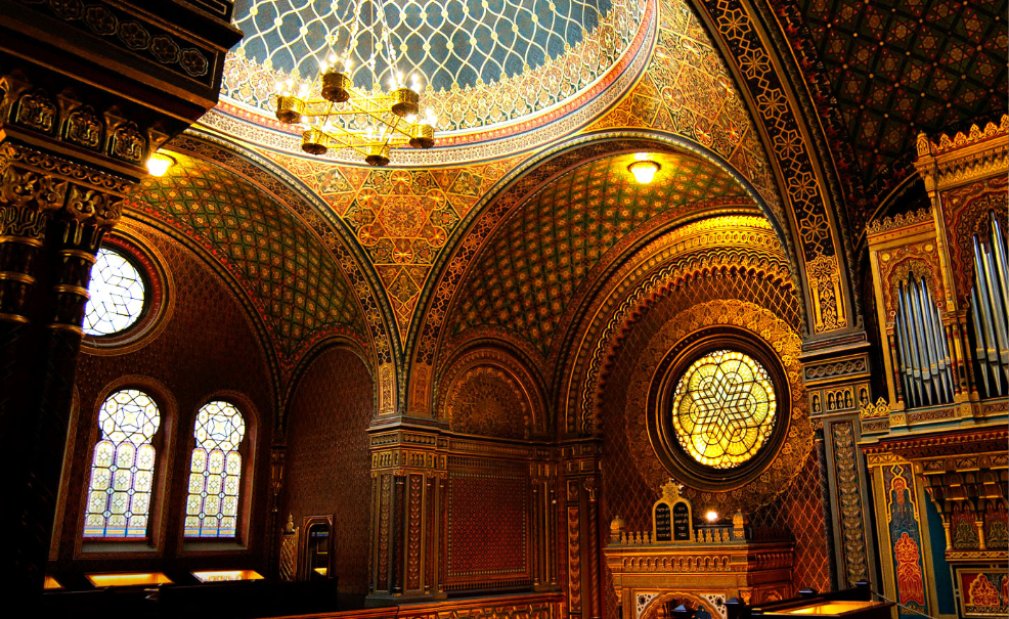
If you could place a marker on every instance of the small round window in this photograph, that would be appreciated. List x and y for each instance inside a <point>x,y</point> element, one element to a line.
<point>117,295</point>
<point>723,409</point>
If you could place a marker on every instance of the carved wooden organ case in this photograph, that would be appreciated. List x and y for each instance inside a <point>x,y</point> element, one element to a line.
<point>936,446</point>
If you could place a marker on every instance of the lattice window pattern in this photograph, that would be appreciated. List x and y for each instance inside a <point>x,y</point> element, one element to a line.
<point>724,409</point>
<point>122,469</point>
<point>450,42</point>
<point>117,295</point>
<point>215,472</point>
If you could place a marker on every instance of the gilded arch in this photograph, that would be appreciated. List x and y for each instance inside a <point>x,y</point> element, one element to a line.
<point>428,337</point>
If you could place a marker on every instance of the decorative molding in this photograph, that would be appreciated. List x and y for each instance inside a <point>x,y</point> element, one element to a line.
<point>137,34</point>
<point>836,369</point>
<point>879,410</point>
<point>964,158</point>
<point>849,502</point>
<point>779,471</point>
<point>899,222</point>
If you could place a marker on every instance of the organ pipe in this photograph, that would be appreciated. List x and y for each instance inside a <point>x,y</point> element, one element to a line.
<point>989,298</point>
<point>925,364</point>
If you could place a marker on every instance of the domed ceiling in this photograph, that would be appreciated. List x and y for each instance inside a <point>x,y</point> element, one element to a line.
<point>493,70</point>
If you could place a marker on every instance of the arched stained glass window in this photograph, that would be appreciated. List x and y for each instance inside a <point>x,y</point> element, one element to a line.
<point>122,469</point>
<point>215,472</point>
<point>724,409</point>
<point>117,295</point>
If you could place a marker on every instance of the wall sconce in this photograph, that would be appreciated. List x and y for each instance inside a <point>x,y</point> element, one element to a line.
<point>643,169</point>
<point>159,163</point>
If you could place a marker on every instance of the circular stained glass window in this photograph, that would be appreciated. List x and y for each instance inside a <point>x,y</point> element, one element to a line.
<point>723,409</point>
<point>117,295</point>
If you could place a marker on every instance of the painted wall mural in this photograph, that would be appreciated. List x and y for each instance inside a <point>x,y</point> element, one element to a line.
<point>905,540</point>
<point>984,593</point>
<point>290,276</point>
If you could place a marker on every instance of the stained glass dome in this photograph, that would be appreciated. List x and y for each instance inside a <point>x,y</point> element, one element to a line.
<point>724,409</point>
<point>485,63</point>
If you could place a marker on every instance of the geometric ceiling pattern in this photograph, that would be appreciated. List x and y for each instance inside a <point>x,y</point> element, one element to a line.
<point>401,218</point>
<point>288,274</point>
<point>687,90</point>
<point>450,43</point>
<point>481,62</point>
<point>544,253</point>
<point>884,71</point>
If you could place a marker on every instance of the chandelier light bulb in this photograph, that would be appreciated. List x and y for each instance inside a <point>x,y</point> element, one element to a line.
<point>373,120</point>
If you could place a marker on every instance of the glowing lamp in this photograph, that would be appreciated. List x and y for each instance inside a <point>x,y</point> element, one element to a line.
<point>644,170</point>
<point>159,163</point>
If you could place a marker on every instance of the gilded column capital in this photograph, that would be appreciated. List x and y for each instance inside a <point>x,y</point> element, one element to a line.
<point>36,185</point>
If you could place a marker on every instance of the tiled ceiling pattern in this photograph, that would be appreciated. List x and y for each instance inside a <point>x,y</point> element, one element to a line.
<point>289,275</point>
<point>539,258</point>
<point>889,69</point>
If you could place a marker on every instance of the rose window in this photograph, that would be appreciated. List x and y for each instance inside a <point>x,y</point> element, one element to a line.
<point>723,409</point>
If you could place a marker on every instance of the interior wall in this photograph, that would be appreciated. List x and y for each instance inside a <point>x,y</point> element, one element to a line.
<point>488,524</point>
<point>798,511</point>
<point>328,470</point>
<point>208,347</point>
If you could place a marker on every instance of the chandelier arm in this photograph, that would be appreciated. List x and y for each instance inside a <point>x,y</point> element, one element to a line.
<point>387,45</point>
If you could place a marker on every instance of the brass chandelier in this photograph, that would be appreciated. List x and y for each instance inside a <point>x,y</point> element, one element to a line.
<point>370,122</point>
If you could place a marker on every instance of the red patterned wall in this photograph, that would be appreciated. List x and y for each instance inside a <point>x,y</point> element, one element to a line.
<point>328,468</point>
<point>488,528</point>
<point>800,512</point>
<point>207,347</point>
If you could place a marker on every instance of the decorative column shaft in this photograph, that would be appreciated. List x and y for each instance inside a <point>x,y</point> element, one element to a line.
<point>580,463</point>
<point>408,515</point>
<point>544,475</point>
<point>837,384</point>
<point>54,212</point>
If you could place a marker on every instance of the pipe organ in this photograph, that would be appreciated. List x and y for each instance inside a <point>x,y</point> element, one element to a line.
<point>935,445</point>
<point>989,303</point>
<point>923,352</point>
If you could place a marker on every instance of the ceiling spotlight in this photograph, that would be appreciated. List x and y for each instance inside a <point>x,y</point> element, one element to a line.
<point>159,163</point>
<point>644,170</point>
